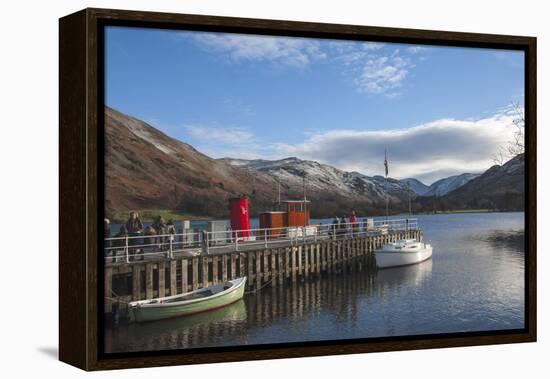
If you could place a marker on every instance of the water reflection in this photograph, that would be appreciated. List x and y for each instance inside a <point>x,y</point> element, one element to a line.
<point>335,297</point>
<point>406,276</point>
<point>177,332</point>
<point>474,281</point>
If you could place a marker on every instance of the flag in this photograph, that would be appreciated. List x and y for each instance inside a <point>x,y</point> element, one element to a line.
<point>386,162</point>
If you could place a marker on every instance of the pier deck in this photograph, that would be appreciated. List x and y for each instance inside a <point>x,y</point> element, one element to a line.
<point>173,273</point>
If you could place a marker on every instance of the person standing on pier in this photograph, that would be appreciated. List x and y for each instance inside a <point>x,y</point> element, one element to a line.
<point>353,221</point>
<point>160,227</point>
<point>134,226</point>
<point>334,227</point>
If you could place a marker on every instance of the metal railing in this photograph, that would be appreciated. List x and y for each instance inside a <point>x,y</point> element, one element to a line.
<point>128,248</point>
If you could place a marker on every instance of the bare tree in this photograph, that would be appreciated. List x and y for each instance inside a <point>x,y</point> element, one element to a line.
<point>517,145</point>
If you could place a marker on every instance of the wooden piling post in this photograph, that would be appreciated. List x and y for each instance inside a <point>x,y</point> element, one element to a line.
<point>184,279</point>
<point>266,274</point>
<point>204,270</point>
<point>293,252</point>
<point>274,271</point>
<point>215,260</point>
<point>318,259</point>
<point>149,281</point>
<point>306,261</point>
<point>299,260</point>
<point>136,283</point>
<point>251,269</point>
<point>281,270</point>
<point>258,269</point>
<point>195,273</point>
<point>162,279</point>
<point>241,266</point>
<point>287,262</point>
<point>224,267</point>
<point>173,277</point>
<point>233,266</point>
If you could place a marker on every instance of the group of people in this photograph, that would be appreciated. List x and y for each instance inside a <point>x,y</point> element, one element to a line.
<point>155,234</point>
<point>340,225</point>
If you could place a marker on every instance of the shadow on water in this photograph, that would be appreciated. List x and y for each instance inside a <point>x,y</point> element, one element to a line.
<point>336,297</point>
<point>513,240</point>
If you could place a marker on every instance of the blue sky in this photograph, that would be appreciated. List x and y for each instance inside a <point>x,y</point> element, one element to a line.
<point>438,111</point>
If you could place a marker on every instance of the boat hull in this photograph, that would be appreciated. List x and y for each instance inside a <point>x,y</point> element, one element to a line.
<point>389,258</point>
<point>164,311</point>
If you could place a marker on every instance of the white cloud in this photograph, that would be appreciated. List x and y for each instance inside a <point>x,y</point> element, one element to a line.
<point>383,75</point>
<point>230,136</point>
<point>428,152</point>
<point>373,67</point>
<point>290,51</point>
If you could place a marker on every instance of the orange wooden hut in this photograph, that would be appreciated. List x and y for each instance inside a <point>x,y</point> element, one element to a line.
<point>295,215</point>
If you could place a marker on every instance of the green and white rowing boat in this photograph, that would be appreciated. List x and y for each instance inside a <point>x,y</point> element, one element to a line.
<point>200,300</point>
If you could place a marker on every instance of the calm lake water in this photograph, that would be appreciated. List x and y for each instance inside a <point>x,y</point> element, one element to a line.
<point>474,282</point>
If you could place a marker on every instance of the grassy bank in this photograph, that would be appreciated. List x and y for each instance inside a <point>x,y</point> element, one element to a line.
<point>149,215</point>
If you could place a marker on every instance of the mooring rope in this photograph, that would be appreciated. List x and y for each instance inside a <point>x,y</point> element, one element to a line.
<point>262,287</point>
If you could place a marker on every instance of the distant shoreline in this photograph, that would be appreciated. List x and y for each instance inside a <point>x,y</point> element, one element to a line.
<point>471,211</point>
<point>149,215</point>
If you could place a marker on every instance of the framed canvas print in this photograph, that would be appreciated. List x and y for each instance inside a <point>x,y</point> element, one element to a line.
<point>237,189</point>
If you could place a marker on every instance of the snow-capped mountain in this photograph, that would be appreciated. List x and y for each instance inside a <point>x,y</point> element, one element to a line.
<point>500,187</point>
<point>146,169</point>
<point>324,178</point>
<point>416,186</point>
<point>446,185</point>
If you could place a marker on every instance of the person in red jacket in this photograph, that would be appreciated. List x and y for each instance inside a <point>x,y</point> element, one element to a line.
<point>353,221</point>
<point>353,218</point>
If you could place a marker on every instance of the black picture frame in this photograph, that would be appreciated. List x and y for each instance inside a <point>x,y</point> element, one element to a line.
<point>81,108</point>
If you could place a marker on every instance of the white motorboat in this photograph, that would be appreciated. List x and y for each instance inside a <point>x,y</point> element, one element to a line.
<point>402,253</point>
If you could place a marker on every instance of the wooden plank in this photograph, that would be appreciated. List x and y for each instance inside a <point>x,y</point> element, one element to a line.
<point>136,283</point>
<point>233,266</point>
<point>184,271</point>
<point>204,270</point>
<point>251,276</point>
<point>149,281</point>
<point>162,279</point>
<point>299,260</point>
<point>280,267</point>
<point>287,262</point>
<point>195,272</point>
<point>293,263</point>
<point>306,261</point>
<point>266,274</point>
<point>224,267</point>
<point>173,277</point>
<point>274,255</point>
<point>318,258</point>
<point>242,265</point>
<point>258,269</point>
<point>215,261</point>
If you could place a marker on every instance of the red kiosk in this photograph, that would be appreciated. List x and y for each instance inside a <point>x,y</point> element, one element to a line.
<point>240,216</point>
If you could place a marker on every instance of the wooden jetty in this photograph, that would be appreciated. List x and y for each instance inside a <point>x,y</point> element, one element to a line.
<point>275,265</point>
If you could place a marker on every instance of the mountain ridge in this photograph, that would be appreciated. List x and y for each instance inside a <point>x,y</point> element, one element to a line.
<point>147,169</point>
